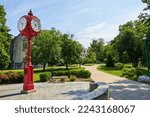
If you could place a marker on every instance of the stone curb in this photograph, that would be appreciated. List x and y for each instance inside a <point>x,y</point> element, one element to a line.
<point>100,93</point>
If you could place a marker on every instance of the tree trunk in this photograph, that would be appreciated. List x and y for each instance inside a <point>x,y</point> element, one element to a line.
<point>66,66</point>
<point>44,64</point>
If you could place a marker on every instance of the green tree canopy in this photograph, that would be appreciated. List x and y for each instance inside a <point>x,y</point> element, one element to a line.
<point>46,47</point>
<point>71,50</point>
<point>5,40</point>
<point>130,40</point>
<point>97,46</point>
<point>90,57</point>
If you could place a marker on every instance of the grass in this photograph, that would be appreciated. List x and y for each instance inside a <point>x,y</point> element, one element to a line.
<point>116,70</point>
<point>89,64</point>
<point>111,70</point>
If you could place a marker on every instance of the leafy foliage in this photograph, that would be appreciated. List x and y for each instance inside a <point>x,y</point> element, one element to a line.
<point>97,46</point>
<point>71,50</point>
<point>11,77</point>
<point>129,72</point>
<point>109,61</point>
<point>5,40</point>
<point>125,57</point>
<point>130,41</point>
<point>46,47</point>
<point>45,76</point>
<point>79,73</point>
<point>90,57</point>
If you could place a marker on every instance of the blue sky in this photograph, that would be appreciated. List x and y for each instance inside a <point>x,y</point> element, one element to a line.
<point>86,19</point>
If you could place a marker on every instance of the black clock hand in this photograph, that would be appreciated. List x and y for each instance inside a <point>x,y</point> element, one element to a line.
<point>35,24</point>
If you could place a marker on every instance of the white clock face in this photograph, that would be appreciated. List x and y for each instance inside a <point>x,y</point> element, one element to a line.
<point>35,24</point>
<point>22,23</point>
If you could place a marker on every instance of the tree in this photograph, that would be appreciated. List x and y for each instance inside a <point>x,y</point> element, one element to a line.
<point>71,50</point>
<point>130,40</point>
<point>125,57</point>
<point>146,1</point>
<point>90,57</point>
<point>109,61</point>
<point>5,40</point>
<point>110,50</point>
<point>97,46</point>
<point>4,59</point>
<point>46,47</point>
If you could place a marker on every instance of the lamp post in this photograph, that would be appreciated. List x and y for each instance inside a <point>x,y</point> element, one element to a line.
<point>146,53</point>
<point>29,26</point>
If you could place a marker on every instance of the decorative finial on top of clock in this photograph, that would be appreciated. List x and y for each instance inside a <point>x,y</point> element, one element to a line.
<point>30,13</point>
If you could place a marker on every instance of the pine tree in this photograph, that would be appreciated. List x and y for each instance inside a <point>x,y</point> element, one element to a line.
<point>109,61</point>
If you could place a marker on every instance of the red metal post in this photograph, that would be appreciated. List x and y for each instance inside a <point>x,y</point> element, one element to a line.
<point>28,72</point>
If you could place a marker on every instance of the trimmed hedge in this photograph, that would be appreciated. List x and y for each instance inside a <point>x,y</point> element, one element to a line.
<point>83,74</point>
<point>61,73</point>
<point>45,76</point>
<point>79,73</point>
<point>11,77</point>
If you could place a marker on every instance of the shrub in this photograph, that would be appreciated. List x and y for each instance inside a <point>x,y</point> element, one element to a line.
<point>80,73</point>
<point>61,73</point>
<point>119,65</point>
<point>109,61</point>
<point>72,79</point>
<point>11,77</point>
<point>83,74</point>
<point>45,76</point>
<point>129,72</point>
<point>128,66</point>
<point>140,72</point>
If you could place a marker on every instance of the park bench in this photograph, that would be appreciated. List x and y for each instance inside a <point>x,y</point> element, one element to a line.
<point>61,78</point>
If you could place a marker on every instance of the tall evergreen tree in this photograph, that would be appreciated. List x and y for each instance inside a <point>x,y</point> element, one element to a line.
<point>5,40</point>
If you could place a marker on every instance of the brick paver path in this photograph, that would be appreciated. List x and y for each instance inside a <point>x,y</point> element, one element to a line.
<point>121,88</point>
<point>45,91</point>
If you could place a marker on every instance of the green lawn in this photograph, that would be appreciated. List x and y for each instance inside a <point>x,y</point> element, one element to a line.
<point>117,70</point>
<point>111,70</point>
<point>89,64</point>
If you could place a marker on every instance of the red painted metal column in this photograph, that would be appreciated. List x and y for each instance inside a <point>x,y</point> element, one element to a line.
<point>28,72</point>
<point>29,26</point>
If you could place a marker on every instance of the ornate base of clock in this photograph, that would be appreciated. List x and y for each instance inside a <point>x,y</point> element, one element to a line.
<point>27,92</point>
<point>28,78</point>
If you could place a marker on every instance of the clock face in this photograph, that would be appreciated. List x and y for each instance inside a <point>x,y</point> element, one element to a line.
<point>22,23</point>
<point>36,25</point>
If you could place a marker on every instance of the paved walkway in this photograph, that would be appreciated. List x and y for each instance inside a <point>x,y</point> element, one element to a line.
<point>121,88</point>
<point>45,91</point>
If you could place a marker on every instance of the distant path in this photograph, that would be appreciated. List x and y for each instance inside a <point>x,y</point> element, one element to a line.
<point>121,88</point>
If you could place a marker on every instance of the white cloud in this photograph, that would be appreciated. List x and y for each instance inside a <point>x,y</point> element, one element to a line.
<point>98,30</point>
<point>107,29</point>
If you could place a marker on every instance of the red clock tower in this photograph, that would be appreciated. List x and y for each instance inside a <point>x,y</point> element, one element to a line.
<point>29,26</point>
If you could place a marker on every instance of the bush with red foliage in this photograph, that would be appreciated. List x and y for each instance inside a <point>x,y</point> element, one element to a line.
<point>11,77</point>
